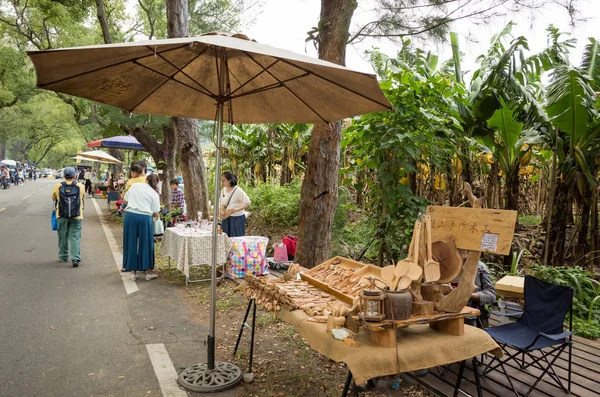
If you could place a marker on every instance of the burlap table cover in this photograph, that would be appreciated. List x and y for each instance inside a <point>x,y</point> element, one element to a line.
<point>193,248</point>
<point>419,347</point>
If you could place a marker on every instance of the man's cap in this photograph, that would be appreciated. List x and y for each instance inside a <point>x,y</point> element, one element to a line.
<point>69,172</point>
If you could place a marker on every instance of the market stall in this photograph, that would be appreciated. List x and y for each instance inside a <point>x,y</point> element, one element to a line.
<point>404,317</point>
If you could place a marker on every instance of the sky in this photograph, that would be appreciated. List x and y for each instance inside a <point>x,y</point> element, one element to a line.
<point>285,23</point>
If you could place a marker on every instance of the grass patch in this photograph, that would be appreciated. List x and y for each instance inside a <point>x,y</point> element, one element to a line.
<point>530,220</point>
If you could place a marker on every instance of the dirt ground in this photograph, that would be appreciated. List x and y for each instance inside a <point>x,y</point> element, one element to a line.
<point>283,364</point>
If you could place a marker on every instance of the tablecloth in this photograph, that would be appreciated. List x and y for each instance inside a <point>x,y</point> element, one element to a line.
<point>191,247</point>
<point>419,347</point>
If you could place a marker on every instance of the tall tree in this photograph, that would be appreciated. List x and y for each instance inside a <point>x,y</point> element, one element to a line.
<point>319,193</point>
<point>190,152</point>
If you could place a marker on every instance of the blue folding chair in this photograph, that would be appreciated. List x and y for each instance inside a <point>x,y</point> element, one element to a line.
<point>539,329</point>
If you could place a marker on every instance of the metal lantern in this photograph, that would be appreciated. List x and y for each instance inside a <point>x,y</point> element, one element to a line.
<point>371,303</point>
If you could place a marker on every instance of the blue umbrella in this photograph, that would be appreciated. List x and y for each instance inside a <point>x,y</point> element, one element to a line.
<point>118,142</point>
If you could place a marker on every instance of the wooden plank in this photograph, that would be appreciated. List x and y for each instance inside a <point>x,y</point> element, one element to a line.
<point>384,338</point>
<point>511,286</point>
<point>454,326</point>
<point>424,319</point>
<point>468,226</point>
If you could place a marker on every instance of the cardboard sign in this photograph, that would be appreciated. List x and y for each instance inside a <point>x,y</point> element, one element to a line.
<point>474,229</point>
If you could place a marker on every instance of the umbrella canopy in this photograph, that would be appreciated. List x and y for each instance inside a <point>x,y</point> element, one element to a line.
<point>213,76</point>
<point>79,158</point>
<point>180,77</point>
<point>118,142</point>
<point>100,156</point>
<point>9,163</point>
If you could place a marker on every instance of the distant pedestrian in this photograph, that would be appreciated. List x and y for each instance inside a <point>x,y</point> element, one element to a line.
<point>88,182</point>
<point>21,176</point>
<point>143,204</point>
<point>81,176</point>
<point>68,196</point>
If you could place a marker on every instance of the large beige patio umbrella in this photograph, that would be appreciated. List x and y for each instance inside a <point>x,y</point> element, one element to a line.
<point>100,156</point>
<point>207,77</point>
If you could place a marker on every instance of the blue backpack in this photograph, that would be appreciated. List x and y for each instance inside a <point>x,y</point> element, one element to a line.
<point>69,202</point>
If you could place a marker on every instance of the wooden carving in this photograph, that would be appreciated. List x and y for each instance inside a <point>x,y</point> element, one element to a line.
<point>458,298</point>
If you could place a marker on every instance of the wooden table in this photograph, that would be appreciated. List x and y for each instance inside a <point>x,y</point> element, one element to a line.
<point>511,286</point>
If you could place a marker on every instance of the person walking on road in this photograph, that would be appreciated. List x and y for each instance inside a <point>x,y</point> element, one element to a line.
<point>68,196</point>
<point>143,204</point>
<point>88,182</point>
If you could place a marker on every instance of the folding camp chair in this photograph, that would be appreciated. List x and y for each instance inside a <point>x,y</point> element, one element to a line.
<point>539,329</point>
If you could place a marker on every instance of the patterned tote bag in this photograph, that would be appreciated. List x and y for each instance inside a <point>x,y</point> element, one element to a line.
<point>247,256</point>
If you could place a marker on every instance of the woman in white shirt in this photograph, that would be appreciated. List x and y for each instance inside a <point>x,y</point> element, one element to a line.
<point>233,203</point>
<point>143,203</point>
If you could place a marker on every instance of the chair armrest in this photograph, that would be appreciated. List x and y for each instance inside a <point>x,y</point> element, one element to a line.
<point>512,314</point>
<point>556,337</point>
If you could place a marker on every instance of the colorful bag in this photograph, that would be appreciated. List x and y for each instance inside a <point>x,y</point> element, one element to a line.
<point>54,221</point>
<point>290,243</point>
<point>280,253</point>
<point>247,256</point>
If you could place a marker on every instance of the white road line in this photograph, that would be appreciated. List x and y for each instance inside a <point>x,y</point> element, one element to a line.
<point>2,209</point>
<point>39,190</point>
<point>29,195</point>
<point>164,370</point>
<point>130,285</point>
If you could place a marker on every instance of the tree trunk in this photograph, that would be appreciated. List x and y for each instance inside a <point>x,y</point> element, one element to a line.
<point>2,146</point>
<point>167,162</point>
<point>319,192</point>
<point>118,154</point>
<point>582,248</point>
<point>190,152</point>
<point>558,228</point>
<point>284,178</point>
<point>594,230</point>
<point>193,168</point>
<point>103,21</point>
<point>511,192</point>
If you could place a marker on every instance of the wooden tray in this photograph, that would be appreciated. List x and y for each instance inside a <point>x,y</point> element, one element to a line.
<point>384,333</point>
<point>346,263</point>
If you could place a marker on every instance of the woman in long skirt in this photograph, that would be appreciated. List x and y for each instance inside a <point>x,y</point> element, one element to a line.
<point>233,203</point>
<point>143,203</point>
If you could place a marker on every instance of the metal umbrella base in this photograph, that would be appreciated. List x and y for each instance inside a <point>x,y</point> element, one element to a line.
<point>199,378</point>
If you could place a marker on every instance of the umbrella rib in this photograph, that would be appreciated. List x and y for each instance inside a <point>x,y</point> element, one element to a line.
<point>284,86</point>
<point>101,68</point>
<point>337,84</point>
<point>269,87</point>
<point>180,70</point>
<point>253,77</point>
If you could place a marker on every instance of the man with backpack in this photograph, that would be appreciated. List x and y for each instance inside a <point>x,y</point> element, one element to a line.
<point>68,196</point>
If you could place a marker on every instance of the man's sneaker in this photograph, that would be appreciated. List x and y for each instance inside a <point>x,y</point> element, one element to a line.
<point>134,277</point>
<point>151,276</point>
<point>63,260</point>
<point>75,263</point>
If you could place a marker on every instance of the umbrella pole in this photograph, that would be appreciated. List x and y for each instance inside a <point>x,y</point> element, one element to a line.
<point>213,283</point>
<point>212,376</point>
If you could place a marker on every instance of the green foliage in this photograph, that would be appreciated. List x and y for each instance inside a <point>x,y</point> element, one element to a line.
<point>530,220</point>
<point>586,313</point>
<point>384,148</point>
<point>275,205</point>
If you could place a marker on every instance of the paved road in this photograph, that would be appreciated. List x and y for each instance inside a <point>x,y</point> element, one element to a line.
<point>68,331</point>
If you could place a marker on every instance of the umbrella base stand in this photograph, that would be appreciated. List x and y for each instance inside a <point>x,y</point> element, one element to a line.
<point>198,378</point>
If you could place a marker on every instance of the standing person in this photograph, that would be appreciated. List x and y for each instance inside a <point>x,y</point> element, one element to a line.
<point>177,199</point>
<point>88,181</point>
<point>4,177</point>
<point>68,196</point>
<point>143,204</point>
<point>31,174</point>
<point>21,176</point>
<point>232,205</point>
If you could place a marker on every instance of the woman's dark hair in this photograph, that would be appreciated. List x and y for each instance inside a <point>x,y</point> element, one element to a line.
<point>152,180</point>
<point>230,177</point>
<point>142,164</point>
<point>135,168</point>
<point>174,181</point>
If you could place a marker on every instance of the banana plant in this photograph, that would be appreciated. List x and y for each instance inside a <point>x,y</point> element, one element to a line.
<point>572,108</point>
